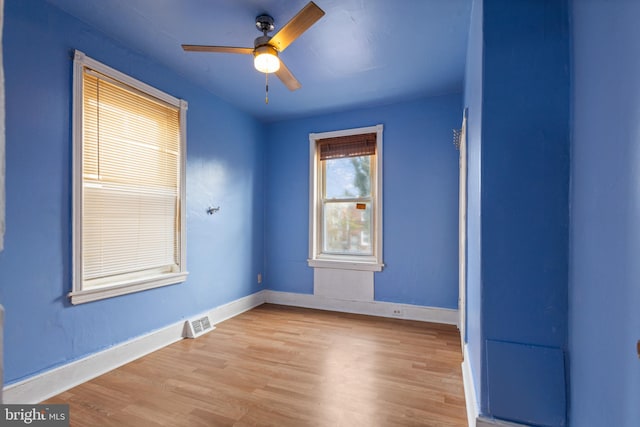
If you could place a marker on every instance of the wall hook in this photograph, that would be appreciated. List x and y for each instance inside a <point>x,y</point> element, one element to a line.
<point>211,210</point>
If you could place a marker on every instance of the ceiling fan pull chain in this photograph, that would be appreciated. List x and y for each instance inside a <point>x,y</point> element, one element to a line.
<point>266,82</point>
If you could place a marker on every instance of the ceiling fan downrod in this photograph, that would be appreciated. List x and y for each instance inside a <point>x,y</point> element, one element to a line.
<point>264,24</point>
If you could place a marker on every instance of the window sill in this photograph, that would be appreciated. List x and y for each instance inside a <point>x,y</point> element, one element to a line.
<point>103,292</point>
<point>346,264</point>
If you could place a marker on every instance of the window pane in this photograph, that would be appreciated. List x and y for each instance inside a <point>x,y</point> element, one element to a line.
<point>348,177</point>
<point>131,165</point>
<point>347,228</point>
<point>127,229</point>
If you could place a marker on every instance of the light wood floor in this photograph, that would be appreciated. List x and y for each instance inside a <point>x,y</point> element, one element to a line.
<point>283,366</point>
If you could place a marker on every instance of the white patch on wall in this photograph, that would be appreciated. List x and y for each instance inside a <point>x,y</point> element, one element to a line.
<point>353,285</point>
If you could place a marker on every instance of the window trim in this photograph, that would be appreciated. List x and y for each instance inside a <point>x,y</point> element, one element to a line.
<point>317,259</point>
<point>78,294</point>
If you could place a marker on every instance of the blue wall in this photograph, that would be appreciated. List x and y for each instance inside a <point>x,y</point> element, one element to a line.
<point>519,51</point>
<point>605,209</point>
<point>525,170</point>
<point>225,167</point>
<point>420,175</point>
<point>517,93</point>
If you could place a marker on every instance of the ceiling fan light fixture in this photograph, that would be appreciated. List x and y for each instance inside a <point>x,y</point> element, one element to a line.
<point>266,49</point>
<point>266,59</point>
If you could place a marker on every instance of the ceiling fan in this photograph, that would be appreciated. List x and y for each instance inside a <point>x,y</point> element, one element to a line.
<point>267,48</point>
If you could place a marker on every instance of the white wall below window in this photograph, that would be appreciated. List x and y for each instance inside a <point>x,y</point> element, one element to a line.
<point>343,284</point>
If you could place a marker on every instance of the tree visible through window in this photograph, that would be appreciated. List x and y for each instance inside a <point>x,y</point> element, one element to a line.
<point>347,205</point>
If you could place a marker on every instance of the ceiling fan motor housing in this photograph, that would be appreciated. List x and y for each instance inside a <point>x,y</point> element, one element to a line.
<point>261,41</point>
<point>266,48</point>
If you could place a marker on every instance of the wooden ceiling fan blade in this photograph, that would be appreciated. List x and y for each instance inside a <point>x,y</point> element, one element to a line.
<point>296,26</point>
<point>218,49</point>
<point>287,78</point>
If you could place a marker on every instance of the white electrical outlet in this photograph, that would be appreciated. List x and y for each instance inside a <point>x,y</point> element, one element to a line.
<point>259,278</point>
<point>397,312</point>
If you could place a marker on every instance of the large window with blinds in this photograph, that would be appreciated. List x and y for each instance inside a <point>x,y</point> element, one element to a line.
<point>128,199</point>
<point>345,224</point>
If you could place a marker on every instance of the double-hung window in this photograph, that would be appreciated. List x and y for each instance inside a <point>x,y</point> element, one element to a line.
<point>345,226</point>
<point>128,184</point>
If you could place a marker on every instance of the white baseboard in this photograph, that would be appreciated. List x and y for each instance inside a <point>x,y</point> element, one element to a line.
<point>233,308</point>
<point>469,389</point>
<point>50,383</point>
<point>373,308</point>
<point>473,410</point>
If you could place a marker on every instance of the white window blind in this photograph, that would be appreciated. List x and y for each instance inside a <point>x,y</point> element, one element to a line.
<point>130,219</point>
